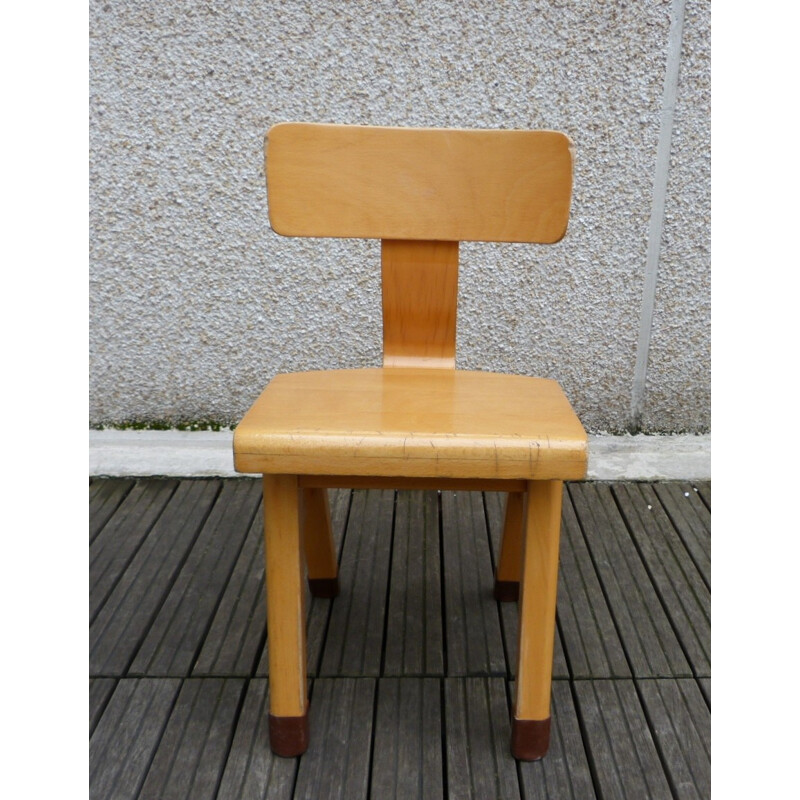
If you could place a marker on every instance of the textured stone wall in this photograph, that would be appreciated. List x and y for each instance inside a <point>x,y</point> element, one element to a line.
<point>196,303</point>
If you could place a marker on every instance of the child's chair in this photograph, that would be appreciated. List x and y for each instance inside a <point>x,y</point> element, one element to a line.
<point>417,422</point>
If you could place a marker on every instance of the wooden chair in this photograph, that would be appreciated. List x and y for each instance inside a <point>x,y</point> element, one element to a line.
<point>417,422</point>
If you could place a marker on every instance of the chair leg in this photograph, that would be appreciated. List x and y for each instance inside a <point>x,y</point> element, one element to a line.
<point>506,582</point>
<point>530,735</point>
<point>320,550</point>
<point>288,691</point>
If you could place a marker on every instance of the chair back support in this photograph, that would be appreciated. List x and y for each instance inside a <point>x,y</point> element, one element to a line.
<point>421,191</point>
<point>418,183</point>
<point>420,297</point>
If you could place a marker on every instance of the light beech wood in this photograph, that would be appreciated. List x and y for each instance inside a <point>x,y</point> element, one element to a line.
<point>537,603</point>
<point>509,567</point>
<point>418,183</point>
<point>420,296</point>
<point>318,535</point>
<point>443,484</point>
<point>417,422</point>
<point>285,597</point>
<point>412,423</point>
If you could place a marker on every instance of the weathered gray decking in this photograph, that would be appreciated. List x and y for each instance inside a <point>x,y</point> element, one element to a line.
<point>412,666</point>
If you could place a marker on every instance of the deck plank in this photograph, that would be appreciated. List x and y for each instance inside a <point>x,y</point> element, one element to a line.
<point>354,641</point>
<point>127,736</point>
<point>690,491</point>
<point>122,623</point>
<point>691,519</point>
<point>116,544</point>
<point>564,772</point>
<point>191,755</point>
<point>178,631</point>
<point>705,688</point>
<point>318,609</point>
<point>509,612</point>
<point>472,623</point>
<point>407,753</point>
<point>105,496</point>
<point>235,637</point>
<point>414,640</point>
<point>336,764</point>
<point>100,691</point>
<point>495,506</point>
<point>621,747</point>
<point>704,490</point>
<point>591,642</point>
<point>509,615</point>
<point>252,770</point>
<point>680,586</point>
<point>399,715</point>
<point>681,725</point>
<point>650,643</point>
<point>478,740</point>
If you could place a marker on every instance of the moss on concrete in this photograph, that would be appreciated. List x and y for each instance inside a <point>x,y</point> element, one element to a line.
<point>162,425</point>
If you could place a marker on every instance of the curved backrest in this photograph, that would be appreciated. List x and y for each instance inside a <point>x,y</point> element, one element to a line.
<point>418,183</point>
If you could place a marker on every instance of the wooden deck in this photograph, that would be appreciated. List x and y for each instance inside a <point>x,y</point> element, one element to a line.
<point>412,666</point>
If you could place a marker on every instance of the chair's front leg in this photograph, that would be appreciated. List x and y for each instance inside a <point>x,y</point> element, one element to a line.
<point>509,567</point>
<point>320,550</point>
<point>288,691</point>
<point>530,736</point>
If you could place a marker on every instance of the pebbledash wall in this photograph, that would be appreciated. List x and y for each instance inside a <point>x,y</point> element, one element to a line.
<point>196,303</point>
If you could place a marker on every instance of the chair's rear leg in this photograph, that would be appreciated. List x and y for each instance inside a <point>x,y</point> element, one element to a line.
<point>509,568</point>
<point>323,568</point>
<point>288,691</point>
<point>530,736</point>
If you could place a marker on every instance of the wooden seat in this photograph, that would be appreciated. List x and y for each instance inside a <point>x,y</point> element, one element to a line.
<point>412,422</point>
<point>417,422</point>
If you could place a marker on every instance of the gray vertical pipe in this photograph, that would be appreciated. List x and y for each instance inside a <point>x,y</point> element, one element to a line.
<point>657,213</point>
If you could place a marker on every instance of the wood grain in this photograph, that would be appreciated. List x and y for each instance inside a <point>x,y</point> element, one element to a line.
<point>407,754</point>
<point>194,747</point>
<point>537,604</point>
<point>251,769</point>
<point>474,640</point>
<point>478,762</point>
<point>421,191</point>
<point>337,764</point>
<point>645,630</point>
<point>414,642</point>
<point>122,623</point>
<point>420,297</point>
<point>412,423</point>
<point>621,746</point>
<point>400,482</point>
<point>286,619</point>
<point>418,733</point>
<point>423,183</point>
<point>176,635</point>
<point>510,563</point>
<point>319,547</point>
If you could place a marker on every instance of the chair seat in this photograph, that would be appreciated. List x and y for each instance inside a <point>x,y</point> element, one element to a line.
<point>410,422</point>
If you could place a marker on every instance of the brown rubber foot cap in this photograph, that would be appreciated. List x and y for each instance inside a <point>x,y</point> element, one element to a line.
<point>506,591</point>
<point>530,738</point>
<point>288,736</point>
<point>324,587</point>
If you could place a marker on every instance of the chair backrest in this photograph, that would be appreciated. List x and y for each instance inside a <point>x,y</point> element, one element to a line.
<point>421,191</point>
<point>418,183</point>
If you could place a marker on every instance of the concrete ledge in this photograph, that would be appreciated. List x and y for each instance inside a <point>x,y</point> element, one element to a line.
<point>208,454</point>
<point>677,457</point>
